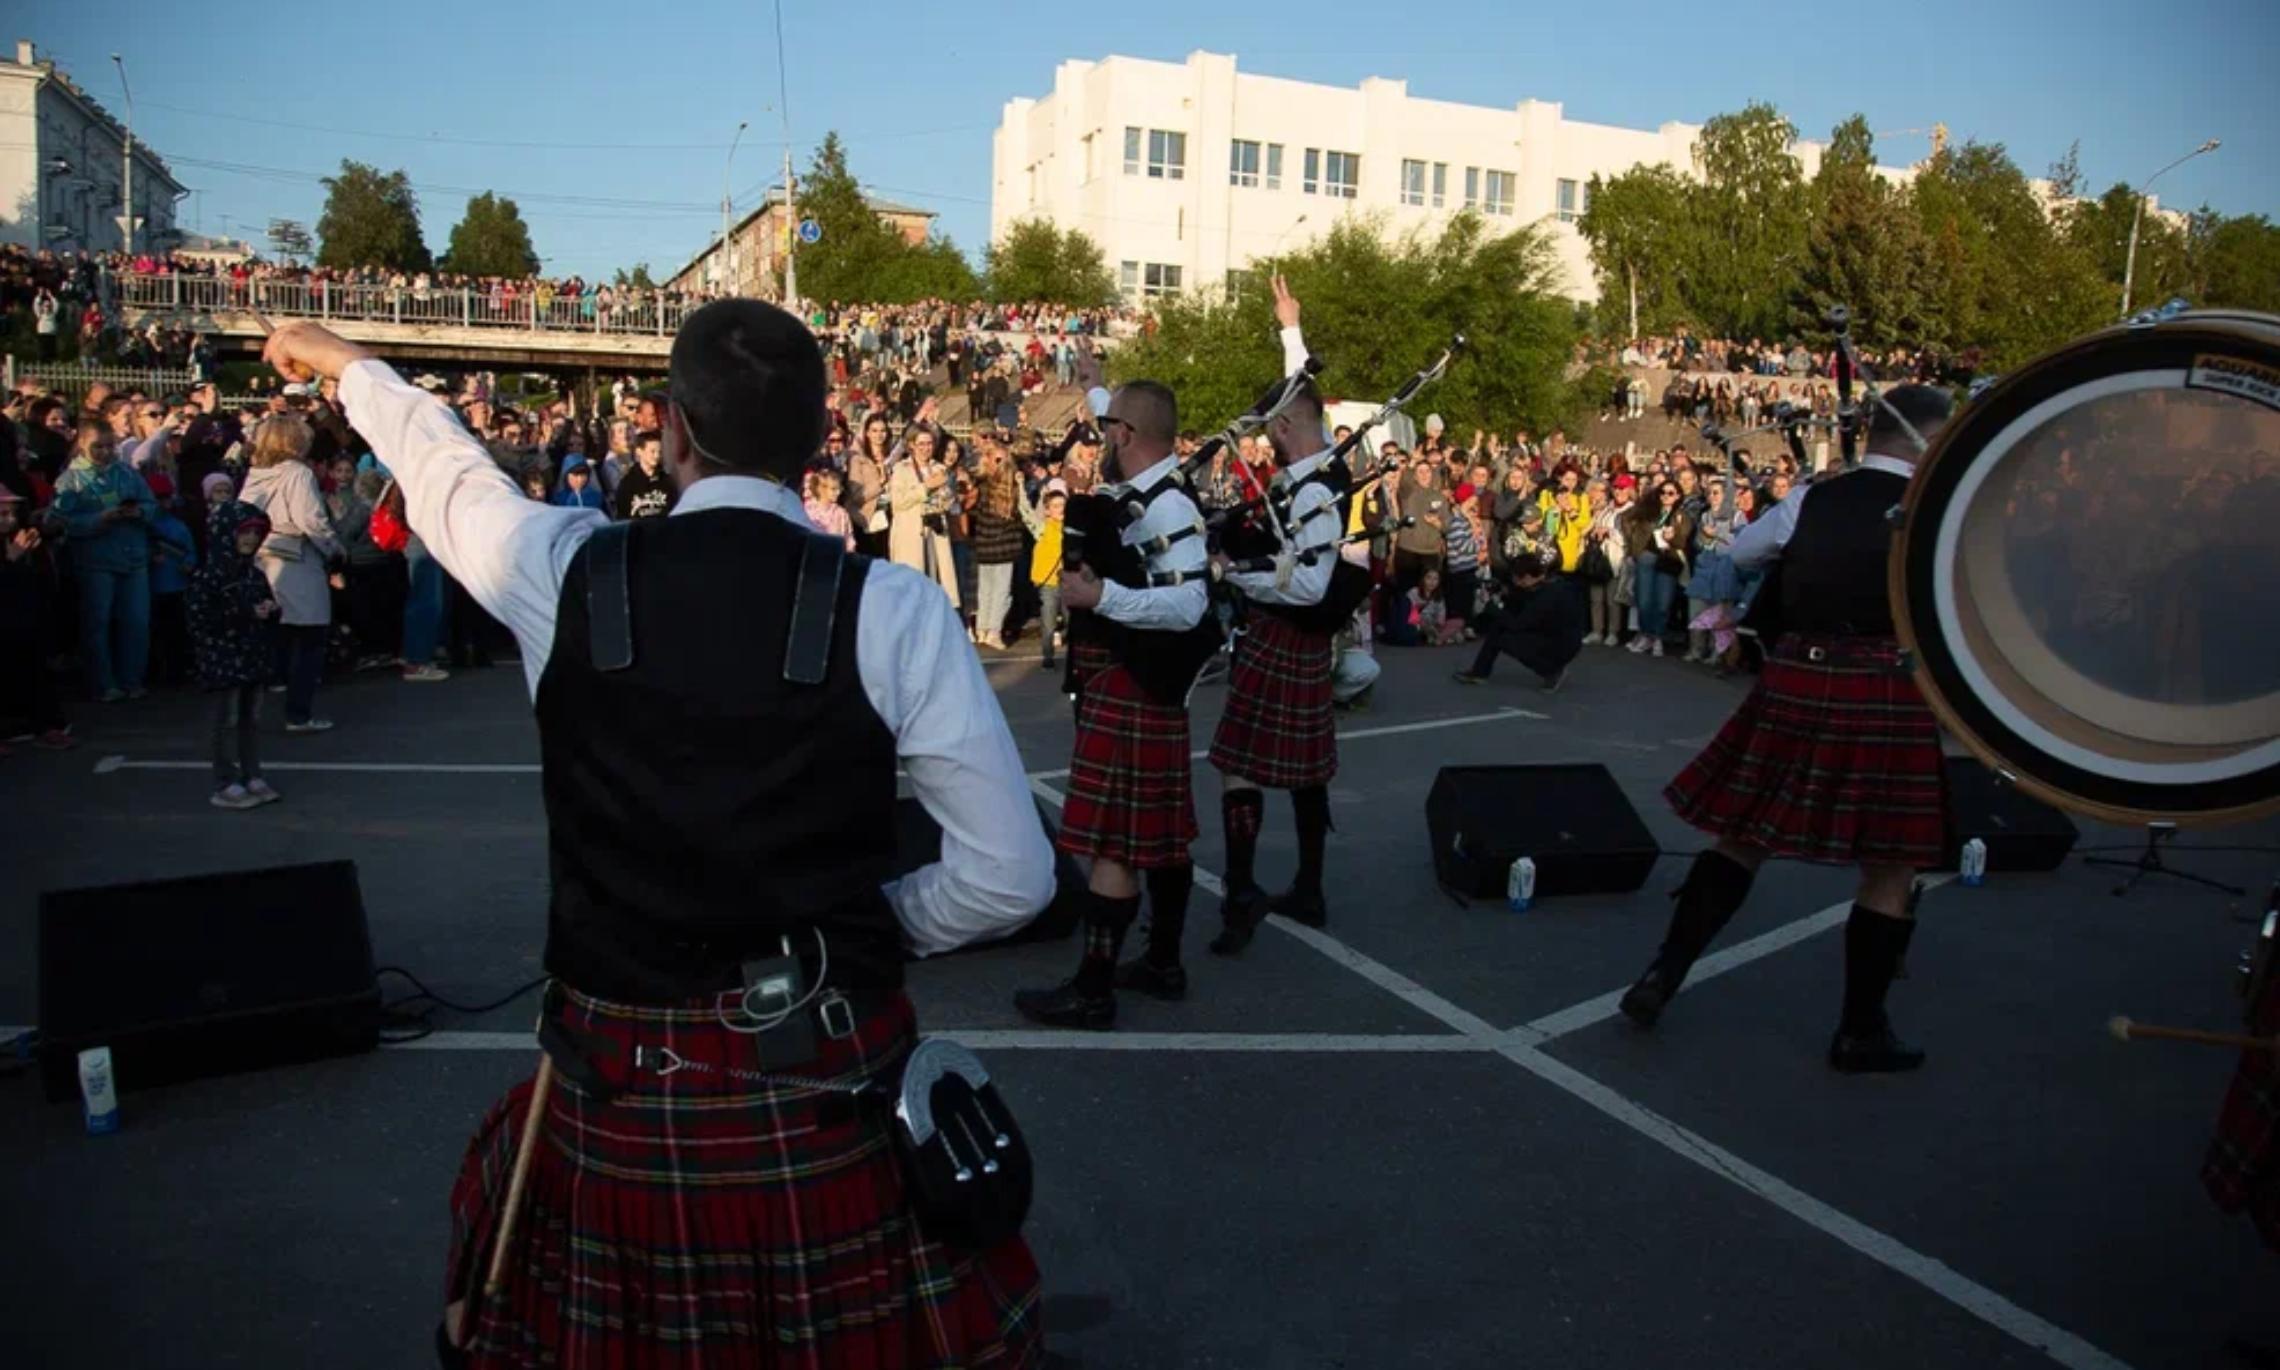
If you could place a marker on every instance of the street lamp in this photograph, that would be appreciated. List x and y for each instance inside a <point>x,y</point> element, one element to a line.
<point>727,253</point>
<point>1285,234</point>
<point>2129,266</point>
<point>127,162</point>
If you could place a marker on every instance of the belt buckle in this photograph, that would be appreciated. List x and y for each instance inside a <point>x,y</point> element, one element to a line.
<point>838,1016</point>
<point>662,1061</point>
<point>1816,655</point>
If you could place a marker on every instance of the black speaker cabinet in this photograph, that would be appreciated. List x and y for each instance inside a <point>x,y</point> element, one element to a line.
<point>918,842</point>
<point>2021,832</point>
<point>1572,820</point>
<point>205,975</point>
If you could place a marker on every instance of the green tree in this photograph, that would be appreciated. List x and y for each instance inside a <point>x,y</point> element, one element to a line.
<point>636,279</point>
<point>1037,261</point>
<point>1376,310</point>
<point>1750,213</point>
<point>1860,251</point>
<point>371,219</point>
<point>2239,262</point>
<point>2100,230</point>
<point>859,256</point>
<point>2001,274</point>
<point>491,239</point>
<point>932,270</point>
<point>1640,229</point>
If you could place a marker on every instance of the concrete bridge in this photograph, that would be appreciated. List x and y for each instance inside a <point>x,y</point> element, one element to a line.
<point>462,328</point>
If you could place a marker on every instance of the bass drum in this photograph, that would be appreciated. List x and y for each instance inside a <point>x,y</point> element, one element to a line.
<point>2087,572</point>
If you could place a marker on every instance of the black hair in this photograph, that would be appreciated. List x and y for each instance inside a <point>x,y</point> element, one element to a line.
<point>748,380</point>
<point>1924,406</point>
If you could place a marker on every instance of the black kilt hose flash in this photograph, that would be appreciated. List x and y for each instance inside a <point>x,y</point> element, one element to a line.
<point>1279,730</point>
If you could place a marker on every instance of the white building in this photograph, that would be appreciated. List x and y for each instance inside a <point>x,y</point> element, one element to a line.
<point>1186,171</point>
<point>62,156</point>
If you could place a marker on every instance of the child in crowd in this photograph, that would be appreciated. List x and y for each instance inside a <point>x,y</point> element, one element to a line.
<point>31,707</point>
<point>173,552</point>
<point>232,624</point>
<point>1045,567</point>
<point>579,488</point>
<point>823,507</point>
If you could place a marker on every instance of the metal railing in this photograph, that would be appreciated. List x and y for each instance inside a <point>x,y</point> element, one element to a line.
<point>76,378</point>
<point>540,309</point>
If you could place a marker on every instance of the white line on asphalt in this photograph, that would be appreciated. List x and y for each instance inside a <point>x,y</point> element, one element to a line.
<point>1028,1039</point>
<point>119,763</point>
<point>1937,1276</point>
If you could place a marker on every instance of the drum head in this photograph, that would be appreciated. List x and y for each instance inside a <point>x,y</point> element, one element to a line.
<point>2088,573</point>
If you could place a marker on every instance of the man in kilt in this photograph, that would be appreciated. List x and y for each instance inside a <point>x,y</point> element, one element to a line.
<point>1131,799</point>
<point>723,700</point>
<point>1834,757</point>
<point>1279,730</point>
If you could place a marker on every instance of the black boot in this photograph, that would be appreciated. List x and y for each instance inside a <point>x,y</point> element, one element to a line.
<point>1243,904</point>
<point>1087,999</point>
<point>1303,903</point>
<point>1715,887</point>
<point>1865,1042</point>
<point>1159,973</point>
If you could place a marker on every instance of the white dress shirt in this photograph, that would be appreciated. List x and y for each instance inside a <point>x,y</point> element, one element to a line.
<point>1166,608</point>
<point>915,665</point>
<point>1763,540</point>
<point>1313,523</point>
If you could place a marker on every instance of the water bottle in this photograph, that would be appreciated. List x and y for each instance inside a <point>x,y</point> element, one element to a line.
<point>97,1089</point>
<point>1973,865</point>
<point>1520,885</point>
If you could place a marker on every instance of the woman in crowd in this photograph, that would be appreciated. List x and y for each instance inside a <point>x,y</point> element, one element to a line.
<point>106,507</point>
<point>996,543</point>
<point>1656,538</point>
<point>920,494</point>
<point>1712,580</point>
<point>372,602</point>
<point>295,555</point>
<point>1513,498</point>
<point>1605,532</point>
<point>867,483</point>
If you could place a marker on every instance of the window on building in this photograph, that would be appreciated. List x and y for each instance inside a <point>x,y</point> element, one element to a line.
<point>1342,174</point>
<point>1311,182</point>
<point>1160,278</point>
<point>1412,182</point>
<point>1570,203</point>
<point>1440,184</point>
<point>1243,164</point>
<point>1498,191</point>
<point>1274,166</point>
<point>1472,187</point>
<point>1128,277</point>
<point>1167,155</point>
<point>1133,138</point>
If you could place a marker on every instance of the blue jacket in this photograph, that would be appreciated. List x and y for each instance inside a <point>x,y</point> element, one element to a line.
<point>173,554</point>
<point>83,493</point>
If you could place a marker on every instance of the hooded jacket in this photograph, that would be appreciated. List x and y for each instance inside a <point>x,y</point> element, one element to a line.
<point>231,641</point>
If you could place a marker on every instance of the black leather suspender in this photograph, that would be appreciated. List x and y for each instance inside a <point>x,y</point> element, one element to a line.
<point>815,604</point>
<point>609,603</point>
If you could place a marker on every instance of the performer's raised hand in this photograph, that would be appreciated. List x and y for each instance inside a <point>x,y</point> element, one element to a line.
<point>1286,304</point>
<point>307,351</point>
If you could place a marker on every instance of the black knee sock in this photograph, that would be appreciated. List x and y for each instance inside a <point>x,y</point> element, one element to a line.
<point>1168,890</point>
<point>1240,811</point>
<point>1715,887</point>
<point>1107,919</point>
<point>1874,944</point>
<point>1312,805</point>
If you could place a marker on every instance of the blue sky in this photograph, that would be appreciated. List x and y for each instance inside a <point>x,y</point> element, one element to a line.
<point>610,122</point>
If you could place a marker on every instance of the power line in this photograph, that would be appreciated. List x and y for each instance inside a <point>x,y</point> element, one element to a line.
<point>435,137</point>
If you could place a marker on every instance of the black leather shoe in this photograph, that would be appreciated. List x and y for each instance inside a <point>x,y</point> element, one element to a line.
<point>1157,982</point>
<point>1875,1053</point>
<point>1066,1006</point>
<point>1241,910</point>
<point>1468,678</point>
<point>1643,1002</point>
<point>1301,906</point>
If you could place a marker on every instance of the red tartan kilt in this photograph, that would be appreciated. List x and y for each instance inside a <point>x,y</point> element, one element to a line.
<point>1131,787</point>
<point>1835,762</point>
<point>1278,730</point>
<point>702,1223</point>
<point>2243,1169</point>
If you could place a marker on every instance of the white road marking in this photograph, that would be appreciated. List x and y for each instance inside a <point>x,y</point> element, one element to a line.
<point>119,763</point>
<point>1028,1039</point>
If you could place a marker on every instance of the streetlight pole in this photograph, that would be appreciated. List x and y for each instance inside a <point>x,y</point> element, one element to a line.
<point>791,228</point>
<point>727,254</point>
<point>2129,264</point>
<point>127,161</point>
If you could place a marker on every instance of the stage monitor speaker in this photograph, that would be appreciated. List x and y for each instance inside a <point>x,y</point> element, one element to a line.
<point>1572,820</point>
<point>918,842</point>
<point>206,975</point>
<point>2021,832</point>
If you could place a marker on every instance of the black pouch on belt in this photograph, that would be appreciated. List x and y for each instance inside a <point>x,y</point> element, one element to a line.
<point>966,1165</point>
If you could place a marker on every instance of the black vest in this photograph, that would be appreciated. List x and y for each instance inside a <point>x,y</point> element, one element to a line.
<point>1833,570</point>
<point>700,806</point>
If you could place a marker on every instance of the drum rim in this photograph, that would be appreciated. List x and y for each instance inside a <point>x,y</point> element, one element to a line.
<point>1911,580</point>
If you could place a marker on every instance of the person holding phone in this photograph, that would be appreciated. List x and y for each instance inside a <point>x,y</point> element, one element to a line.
<point>105,505</point>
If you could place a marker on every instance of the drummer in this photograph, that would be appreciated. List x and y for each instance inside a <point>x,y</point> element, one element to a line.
<point>1834,757</point>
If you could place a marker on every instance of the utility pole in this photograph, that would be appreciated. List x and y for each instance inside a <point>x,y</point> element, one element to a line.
<point>2137,219</point>
<point>727,255</point>
<point>127,162</point>
<point>791,236</point>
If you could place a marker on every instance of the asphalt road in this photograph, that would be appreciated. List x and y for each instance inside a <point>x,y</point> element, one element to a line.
<point>1417,1140</point>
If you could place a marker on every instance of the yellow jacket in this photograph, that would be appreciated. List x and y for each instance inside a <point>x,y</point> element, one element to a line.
<point>1045,562</point>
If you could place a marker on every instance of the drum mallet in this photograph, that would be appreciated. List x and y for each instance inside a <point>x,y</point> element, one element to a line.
<point>2125,1030</point>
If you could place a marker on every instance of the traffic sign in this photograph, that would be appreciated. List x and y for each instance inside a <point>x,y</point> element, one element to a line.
<point>810,231</point>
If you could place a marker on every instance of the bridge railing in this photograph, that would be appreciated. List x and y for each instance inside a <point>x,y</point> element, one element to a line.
<point>434,306</point>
